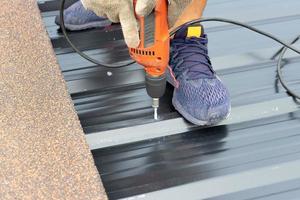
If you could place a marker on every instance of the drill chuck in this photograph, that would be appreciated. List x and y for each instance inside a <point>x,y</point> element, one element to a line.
<point>156,85</point>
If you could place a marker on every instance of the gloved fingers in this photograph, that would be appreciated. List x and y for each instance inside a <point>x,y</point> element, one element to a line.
<point>144,7</point>
<point>130,28</point>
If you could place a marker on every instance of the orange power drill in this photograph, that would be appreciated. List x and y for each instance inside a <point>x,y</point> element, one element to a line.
<point>153,50</point>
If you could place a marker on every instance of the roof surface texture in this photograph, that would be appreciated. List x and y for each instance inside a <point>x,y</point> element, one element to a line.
<point>43,152</point>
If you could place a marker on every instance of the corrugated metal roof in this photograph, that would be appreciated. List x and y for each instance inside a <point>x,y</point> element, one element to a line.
<point>116,110</point>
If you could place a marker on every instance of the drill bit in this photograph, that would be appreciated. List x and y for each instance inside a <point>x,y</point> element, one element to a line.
<point>155,105</point>
<point>155,114</point>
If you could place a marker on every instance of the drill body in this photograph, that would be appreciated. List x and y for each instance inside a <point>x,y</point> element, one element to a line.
<point>153,50</point>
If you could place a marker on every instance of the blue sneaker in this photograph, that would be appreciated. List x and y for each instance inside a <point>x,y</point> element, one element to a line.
<point>199,94</point>
<point>78,18</point>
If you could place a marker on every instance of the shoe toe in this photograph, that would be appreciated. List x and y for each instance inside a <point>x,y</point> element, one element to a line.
<point>203,101</point>
<point>76,14</point>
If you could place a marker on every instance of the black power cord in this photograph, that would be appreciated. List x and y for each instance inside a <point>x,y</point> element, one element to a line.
<point>197,21</point>
<point>279,71</point>
<point>92,60</point>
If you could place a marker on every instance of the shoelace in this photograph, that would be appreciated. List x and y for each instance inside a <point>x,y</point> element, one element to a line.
<point>188,54</point>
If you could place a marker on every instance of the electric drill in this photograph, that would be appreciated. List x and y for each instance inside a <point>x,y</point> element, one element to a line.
<point>153,50</point>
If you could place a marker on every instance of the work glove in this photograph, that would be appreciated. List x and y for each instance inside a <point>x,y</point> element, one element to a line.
<point>122,11</point>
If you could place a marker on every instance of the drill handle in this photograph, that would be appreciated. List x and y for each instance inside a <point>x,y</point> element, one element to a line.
<point>153,50</point>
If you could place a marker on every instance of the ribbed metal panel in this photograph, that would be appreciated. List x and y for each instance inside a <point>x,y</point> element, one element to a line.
<point>198,155</point>
<point>242,60</point>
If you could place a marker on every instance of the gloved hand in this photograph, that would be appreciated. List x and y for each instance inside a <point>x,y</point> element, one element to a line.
<point>175,9</point>
<point>122,11</point>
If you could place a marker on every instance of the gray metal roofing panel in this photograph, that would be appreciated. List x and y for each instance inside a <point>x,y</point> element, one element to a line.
<point>112,108</point>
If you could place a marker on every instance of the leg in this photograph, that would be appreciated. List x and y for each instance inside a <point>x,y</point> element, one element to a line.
<point>191,12</point>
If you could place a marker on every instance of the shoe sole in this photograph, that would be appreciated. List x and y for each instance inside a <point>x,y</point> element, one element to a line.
<point>194,120</point>
<point>89,25</point>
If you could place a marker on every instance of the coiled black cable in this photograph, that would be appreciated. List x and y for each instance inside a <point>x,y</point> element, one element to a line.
<point>276,39</point>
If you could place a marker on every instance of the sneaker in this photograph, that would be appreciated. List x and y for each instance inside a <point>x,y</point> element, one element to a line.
<point>199,94</point>
<point>77,18</point>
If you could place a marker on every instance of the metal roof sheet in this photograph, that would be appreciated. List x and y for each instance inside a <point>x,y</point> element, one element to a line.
<point>135,155</point>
